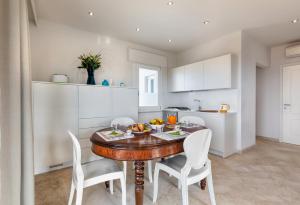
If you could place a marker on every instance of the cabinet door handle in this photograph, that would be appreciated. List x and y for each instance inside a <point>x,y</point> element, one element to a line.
<point>287,104</point>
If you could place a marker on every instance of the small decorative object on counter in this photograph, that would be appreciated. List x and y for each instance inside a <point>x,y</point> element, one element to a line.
<point>111,82</point>
<point>60,78</point>
<point>105,83</point>
<point>122,84</point>
<point>224,108</point>
<point>91,63</point>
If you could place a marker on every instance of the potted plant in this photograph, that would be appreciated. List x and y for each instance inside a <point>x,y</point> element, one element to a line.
<point>91,63</point>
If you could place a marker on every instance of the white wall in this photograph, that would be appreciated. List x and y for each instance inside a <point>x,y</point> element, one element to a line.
<point>247,54</point>
<point>253,54</point>
<point>224,45</point>
<point>268,102</point>
<point>56,47</point>
<point>212,99</point>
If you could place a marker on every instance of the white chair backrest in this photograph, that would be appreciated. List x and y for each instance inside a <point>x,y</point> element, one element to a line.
<point>77,169</point>
<point>192,119</point>
<point>122,121</point>
<point>196,147</point>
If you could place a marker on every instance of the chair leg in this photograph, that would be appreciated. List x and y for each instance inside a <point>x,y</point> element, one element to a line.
<point>150,171</point>
<point>111,186</point>
<point>125,169</point>
<point>179,184</point>
<point>79,192</point>
<point>71,193</point>
<point>123,188</point>
<point>211,188</point>
<point>155,183</point>
<point>184,193</point>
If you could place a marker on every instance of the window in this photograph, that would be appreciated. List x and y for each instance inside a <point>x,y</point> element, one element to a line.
<point>148,86</point>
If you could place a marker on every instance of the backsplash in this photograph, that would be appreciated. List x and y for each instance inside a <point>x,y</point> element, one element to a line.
<point>213,99</point>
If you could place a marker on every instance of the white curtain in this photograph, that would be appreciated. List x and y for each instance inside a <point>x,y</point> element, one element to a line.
<point>16,141</point>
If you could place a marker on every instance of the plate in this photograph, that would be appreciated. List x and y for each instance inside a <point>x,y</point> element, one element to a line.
<point>175,133</point>
<point>113,133</point>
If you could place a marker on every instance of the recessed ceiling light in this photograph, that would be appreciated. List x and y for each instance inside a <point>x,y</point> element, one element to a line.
<point>170,3</point>
<point>138,29</point>
<point>206,22</point>
<point>170,40</point>
<point>91,13</point>
<point>295,21</point>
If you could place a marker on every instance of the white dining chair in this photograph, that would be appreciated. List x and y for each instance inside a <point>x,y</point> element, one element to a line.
<point>192,119</point>
<point>122,121</point>
<point>125,122</point>
<point>190,168</point>
<point>93,173</point>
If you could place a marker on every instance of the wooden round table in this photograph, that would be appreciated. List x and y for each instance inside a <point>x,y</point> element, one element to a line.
<point>141,148</point>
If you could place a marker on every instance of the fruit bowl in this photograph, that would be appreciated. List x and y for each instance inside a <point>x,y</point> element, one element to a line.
<point>157,127</point>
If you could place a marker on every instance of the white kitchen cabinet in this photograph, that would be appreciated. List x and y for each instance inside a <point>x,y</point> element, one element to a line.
<point>176,79</point>
<point>94,122</point>
<point>82,109</point>
<point>214,73</point>
<point>98,106</point>
<point>217,73</point>
<point>223,126</point>
<point>194,76</point>
<point>94,101</point>
<point>88,126</point>
<point>125,103</point>
<point>55,110</point>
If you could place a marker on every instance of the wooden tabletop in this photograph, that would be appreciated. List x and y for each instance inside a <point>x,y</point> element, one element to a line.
<point>141,147</point>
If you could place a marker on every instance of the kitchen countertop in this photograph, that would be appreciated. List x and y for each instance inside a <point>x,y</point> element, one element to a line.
<point>210,112</point>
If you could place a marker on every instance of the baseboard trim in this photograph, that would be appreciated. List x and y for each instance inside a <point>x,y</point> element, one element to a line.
<point>268,138</point>
<point>246,149</point>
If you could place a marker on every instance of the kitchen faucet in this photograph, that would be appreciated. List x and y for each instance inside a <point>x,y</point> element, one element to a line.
<point>199,101</point>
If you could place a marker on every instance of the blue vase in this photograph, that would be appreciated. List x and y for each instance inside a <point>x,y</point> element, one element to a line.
<point>105,83</point>
<point>91,78</point>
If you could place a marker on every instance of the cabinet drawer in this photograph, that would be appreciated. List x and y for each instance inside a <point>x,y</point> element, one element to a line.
<point>87,133</point>
<point>94,122</point>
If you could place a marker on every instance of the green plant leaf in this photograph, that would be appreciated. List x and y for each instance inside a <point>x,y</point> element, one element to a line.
<point>90,61</point>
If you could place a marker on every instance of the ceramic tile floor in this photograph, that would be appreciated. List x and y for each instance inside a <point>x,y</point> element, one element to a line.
<point>266,174</point>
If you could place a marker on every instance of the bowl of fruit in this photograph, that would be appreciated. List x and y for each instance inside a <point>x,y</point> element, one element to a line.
<point>140,128</point>
<point>157,124</point>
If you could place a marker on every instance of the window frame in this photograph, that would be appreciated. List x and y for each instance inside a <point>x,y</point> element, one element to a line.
<point>159,87</point>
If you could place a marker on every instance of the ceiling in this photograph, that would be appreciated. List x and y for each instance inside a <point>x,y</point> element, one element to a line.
<point>277,34</point>
<point>182,22</point>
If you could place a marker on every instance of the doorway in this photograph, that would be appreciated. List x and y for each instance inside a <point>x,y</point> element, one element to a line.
<point>291,104</point>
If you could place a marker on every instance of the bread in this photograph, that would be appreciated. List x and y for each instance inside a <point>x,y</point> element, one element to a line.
<point>141,127</point>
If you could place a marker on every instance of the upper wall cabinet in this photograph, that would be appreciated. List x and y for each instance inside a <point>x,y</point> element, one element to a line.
<point>210,74</point>
<point>217,73</point>
<point>194,76</point>
<point>176,79</point>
